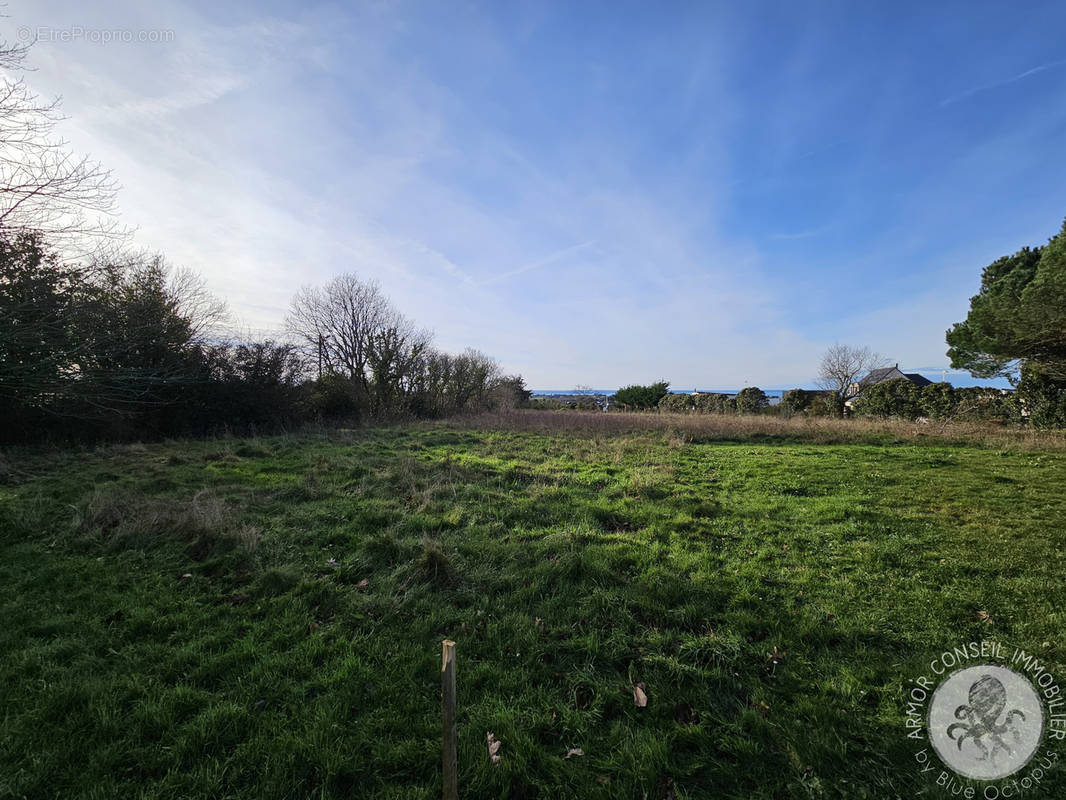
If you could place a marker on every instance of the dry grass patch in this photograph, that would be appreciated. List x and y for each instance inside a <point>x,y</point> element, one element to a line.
<point>682,429</point>
<point>127,519</point>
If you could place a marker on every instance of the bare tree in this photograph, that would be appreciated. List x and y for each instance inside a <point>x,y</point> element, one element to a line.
<point>44,186</point>
<point>349,327</point>
<point>842,367</point>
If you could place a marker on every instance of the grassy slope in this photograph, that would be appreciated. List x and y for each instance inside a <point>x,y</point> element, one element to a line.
<point>567,568</point>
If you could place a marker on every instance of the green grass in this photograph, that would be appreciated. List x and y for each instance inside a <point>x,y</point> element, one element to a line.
<point>774,600</point>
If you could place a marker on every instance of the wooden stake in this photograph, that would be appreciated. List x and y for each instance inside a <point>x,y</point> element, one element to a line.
<point>447,686</point>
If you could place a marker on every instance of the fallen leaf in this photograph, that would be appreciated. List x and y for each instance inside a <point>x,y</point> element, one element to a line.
<point>984,616</point>
<point>640,700</point>
<point>186,575</point>
<point>603,779</point>
<point>574,751</point>
<point>363,584</point>
<point>494,747</point>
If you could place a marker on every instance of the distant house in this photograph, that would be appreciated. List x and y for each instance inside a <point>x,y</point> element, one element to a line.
<point>891,373</point>
<point>885,374</point>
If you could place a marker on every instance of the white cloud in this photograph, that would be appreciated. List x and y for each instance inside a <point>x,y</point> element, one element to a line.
<point>271,153</point>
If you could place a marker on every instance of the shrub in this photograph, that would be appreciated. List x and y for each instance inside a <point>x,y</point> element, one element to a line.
<point>714,404</point>
<point>751,400</point>
<point>332,397</point>
<point>987,404</point>
<point>796,401</point>
<point>825,404</point>
<point>641,398</point>
<point>938,401</point>
<point>583,404</point>
<point>1044,398</point>
<point>895,398</point>
<point>676,403</point>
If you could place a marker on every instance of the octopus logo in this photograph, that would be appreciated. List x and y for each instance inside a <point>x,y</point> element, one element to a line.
<point>985,721</point>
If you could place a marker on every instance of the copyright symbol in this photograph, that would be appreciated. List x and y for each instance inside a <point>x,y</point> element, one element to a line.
<point>24,34</point>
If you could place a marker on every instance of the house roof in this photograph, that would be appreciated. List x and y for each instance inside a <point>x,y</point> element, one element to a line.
<point>890,373</point>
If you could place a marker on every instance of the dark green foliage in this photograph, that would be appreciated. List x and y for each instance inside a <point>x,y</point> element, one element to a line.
<point>249,386</point>
<point>826,404</point>
<point>937,401</point>
<point>796,401</point>
<point>545,404</point>
<point>751,400</point>
<point>41,309</point>
<point>901,399</point>
<point>332,397</point>
<point>1042,396</point>
<point>990,339</point>
<point>1019,317</point>
<point>986,404</point>
<point>509,392</point>
<point>120,349</point>
<point>676,403</point>
<point>895,398</point>
<point>715,404</point>
<point>641,398</point>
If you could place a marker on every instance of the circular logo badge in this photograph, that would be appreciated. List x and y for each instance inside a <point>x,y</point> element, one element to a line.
<point>985,721</point>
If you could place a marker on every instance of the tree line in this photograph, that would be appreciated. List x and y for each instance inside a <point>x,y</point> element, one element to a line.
<point>124,346</point>
<point>98,341</point>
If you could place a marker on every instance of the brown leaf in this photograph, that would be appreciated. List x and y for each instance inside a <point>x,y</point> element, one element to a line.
<point>574,751</point>
<point>494,747</point>
<point>363,584</point>
<point>640,699</point>
<point>984,616</point>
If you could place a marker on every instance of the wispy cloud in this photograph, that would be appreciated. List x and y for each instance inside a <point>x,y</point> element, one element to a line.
<point>442,153</point>
<point>551,258</point>
<point>997,84</point>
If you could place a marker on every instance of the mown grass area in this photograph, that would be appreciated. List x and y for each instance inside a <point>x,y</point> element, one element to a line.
<point>262,618</point>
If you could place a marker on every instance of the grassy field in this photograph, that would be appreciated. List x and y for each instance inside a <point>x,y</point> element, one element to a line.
<point>262,618</point>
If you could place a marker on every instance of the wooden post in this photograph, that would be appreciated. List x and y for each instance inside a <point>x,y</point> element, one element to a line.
<point>447,686</point>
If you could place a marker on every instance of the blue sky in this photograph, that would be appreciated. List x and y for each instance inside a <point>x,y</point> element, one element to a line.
<point>594,193</point>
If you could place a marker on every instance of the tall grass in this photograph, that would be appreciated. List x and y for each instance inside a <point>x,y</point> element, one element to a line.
<point>767,427</point>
